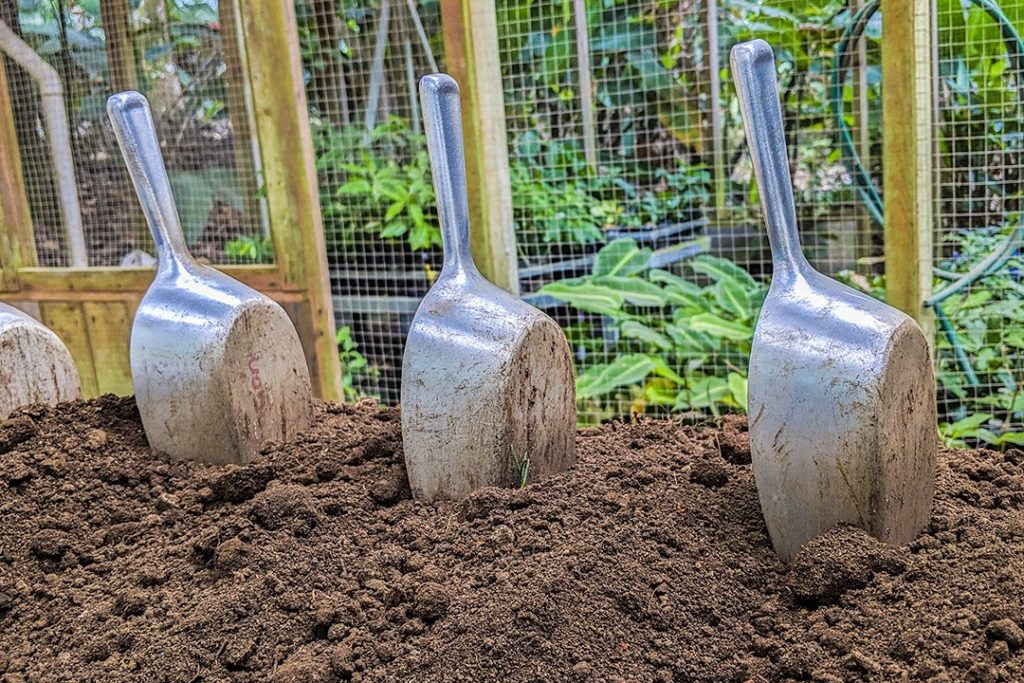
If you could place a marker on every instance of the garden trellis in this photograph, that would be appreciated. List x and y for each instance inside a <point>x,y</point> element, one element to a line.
<point>609,180</point>
<point>224,80</point>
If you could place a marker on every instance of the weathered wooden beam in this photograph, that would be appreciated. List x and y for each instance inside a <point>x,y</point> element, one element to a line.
<point>57,283</point>
<point>119,45</point>
<point>17,241</point>
<point>471,53</point>
<point>907,155</point>
<point>285,140</point>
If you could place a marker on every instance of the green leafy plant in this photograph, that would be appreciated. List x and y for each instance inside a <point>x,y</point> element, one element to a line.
<point>386,188</point>
<point>988,320</point>
<point>675,343</point>
<point>249,249</point>
<point>354,365</point>
<point>520,466</point>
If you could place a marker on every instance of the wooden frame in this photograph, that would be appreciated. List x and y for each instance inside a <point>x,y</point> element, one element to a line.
<point>471,53</point>
<point>91,309</point>
<point>907,110</point>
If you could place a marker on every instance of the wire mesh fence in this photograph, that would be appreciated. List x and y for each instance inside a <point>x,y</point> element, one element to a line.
<point>649,165</point>
<point>184,55</point>
<point>363,62</point>
<point>625,138</point>
<point>979,63</point>
<point>636,218</point>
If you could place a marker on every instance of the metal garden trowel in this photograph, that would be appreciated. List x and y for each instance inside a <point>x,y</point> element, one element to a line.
<point>217,367</point>
<point>842,396</point>
<point>35,366</point>
<point>487,383</point>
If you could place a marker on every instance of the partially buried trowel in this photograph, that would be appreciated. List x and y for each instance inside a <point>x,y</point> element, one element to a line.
<point>217,367</point>
<point>487,384</point>
<point>35,366</point>
<point>841,391</point>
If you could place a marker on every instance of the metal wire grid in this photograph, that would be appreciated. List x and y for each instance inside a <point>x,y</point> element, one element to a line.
<point>363,61</point>
<point>183,55</point>
<point>647,158</point>
<point>977,206</point>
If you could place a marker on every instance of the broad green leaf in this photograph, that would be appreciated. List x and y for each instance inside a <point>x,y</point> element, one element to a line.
<point>678,290</point>
<point>717,326</point>
<point>635,291</point>
<point>666,278</point>
<point>965,426</point>
<point>718,268</point>
<point>621,257</point>
<point>394,210</point>
<point>706,392</point>
<point>355,186</point>
<point>660,392</point>
<point>623,371</point>
<point>663,369</point>
<point>585,296</point>
<point>636,330</point>
<point>1016,438</point>
<point>689,340</point>
<point>733,298</point>
<point>738,388</point>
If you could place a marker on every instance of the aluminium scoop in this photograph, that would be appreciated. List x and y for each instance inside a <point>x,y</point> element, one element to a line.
<point>35,366</point>
<point>217,367</point>
<point>488,397</point>
<point>841,391</point>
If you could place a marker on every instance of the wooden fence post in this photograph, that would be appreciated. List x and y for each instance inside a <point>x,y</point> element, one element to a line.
<point>907,107</point>
<point>120,48</point>
<point>289,172</point>
<point>471,54</point>
<point>17,241</point>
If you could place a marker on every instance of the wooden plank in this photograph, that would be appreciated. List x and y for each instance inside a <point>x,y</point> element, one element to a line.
<point>289,172</point>
<point>119,46</point>
<point>68,321</point>
<point>110,327</point>
<point>57,283</point>
<point>471,54</point>
<point>907,156</point>
<point>17,241</point>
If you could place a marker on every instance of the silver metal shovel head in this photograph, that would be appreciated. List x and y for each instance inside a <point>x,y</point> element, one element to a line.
<point>488,397</point>
<point>841,390</point>
<point>217,367</point>
<point>35,366</point>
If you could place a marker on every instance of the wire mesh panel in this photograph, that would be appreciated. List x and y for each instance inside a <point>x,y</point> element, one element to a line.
<point>636,218</point>
<point>184,55</point>
<point>363,62</point>
<point>978,296</point>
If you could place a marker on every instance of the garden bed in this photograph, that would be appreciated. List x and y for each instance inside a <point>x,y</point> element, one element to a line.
<point>647,561</point>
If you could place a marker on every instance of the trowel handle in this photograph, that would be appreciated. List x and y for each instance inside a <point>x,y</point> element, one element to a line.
<point>136,135</point>
<point>442,121</point>
<point>753,70</point>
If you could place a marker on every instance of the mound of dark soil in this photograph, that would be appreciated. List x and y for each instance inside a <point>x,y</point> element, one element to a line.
<point>648,561</point>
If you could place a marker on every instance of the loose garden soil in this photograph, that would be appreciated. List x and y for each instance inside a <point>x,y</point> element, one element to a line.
<point>648,561</point>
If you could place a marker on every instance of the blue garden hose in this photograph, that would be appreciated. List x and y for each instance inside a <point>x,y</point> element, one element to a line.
<point>872,199</point>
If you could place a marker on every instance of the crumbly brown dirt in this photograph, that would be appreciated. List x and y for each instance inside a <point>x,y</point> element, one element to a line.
<point>648,561</point>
